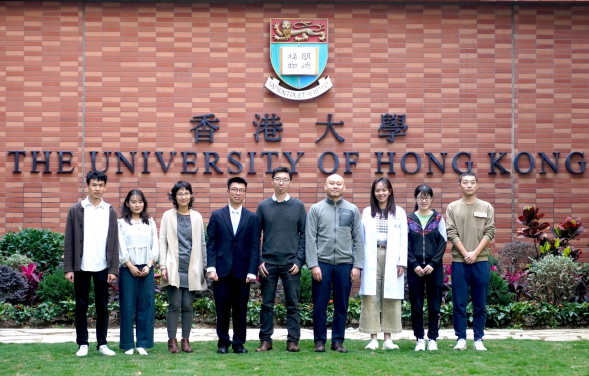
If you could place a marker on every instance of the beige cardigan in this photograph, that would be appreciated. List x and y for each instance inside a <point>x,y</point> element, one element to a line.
<point>169,251</point>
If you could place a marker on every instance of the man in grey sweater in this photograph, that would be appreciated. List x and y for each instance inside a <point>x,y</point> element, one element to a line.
<point>282,219</point>
<point>335,255</point>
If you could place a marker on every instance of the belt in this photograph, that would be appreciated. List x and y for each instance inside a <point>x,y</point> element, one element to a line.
<point>378,246</point>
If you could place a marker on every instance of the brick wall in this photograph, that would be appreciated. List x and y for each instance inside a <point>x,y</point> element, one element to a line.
<point>128,77</point>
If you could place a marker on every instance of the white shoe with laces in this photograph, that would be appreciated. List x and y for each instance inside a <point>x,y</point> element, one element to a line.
<point>460,344</point>
<point>478,345</point>
<point>389,345</point>
<point>420,345</point>
<point>141,351</point>
<point>432,345</point>
<point>373,345</point>
<point>82,351</point>
<point>129,352</point>
<point>104,350</point>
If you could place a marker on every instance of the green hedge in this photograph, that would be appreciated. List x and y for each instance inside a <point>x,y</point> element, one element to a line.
<point>515,315</point>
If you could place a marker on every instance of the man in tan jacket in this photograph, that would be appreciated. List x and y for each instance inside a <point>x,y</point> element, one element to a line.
<point>471,227</point>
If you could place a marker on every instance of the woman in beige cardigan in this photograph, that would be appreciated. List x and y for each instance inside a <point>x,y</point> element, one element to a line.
<point>183,259</point>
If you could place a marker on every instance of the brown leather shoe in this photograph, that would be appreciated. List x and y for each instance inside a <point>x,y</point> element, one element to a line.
<point>319,347</point>
<point>173,346</point>
<point>264,346</point>
<point>337,346</point>
<point>292,347</point>
<point>186,345</point>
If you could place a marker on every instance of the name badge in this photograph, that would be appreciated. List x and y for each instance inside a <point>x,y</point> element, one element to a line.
<point>480,214</point>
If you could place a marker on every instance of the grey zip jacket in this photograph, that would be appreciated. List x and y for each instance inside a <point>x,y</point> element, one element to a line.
<point>334,234</point>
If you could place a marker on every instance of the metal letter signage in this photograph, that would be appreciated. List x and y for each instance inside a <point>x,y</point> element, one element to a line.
<point>298,52</point>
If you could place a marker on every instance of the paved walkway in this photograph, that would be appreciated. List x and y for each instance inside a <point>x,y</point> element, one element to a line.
<point>208,334</point>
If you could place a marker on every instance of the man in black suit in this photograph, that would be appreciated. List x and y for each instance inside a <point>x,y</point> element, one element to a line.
<point>232,261</point>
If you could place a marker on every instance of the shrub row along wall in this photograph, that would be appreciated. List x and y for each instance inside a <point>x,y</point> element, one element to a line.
<point>473,78</point>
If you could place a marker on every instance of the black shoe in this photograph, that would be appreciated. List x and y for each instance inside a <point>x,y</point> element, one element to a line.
<point>239,350</point>
<point>337,346</point>
<point>319,347</point>
<point>222,350</point>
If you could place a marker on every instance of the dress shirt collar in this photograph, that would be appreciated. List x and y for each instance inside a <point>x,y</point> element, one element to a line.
<point>238,210</point>
<point>86,202</point>
<point>285,199</point>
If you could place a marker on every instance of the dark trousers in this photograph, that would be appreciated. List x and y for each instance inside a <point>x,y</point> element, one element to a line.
<point>430,285</point>
<point>82,282</point>
<point>291,285</point>
<point>231,296</point>
<point>338,278</point>
<point>137,302</point>
<point>476,277</point>
<point>180,300</point>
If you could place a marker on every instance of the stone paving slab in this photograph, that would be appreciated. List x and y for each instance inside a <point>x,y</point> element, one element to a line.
<point>57,335</point>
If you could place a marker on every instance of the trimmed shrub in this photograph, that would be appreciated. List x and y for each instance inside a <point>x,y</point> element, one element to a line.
<point>54,288</point>
<point>516,256</point>
<point>498,291</point>
<point>13,286</point>
<point>553,279</point>
<point>43,247</point>
<point>16,261</point>
<point>306,296</point>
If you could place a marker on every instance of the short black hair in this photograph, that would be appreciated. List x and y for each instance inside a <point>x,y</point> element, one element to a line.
<point>236,179</point>
<point>181,184</point>
<point>96,175</point>
<point>467,174</point>
<point>424,190</point>
<point>282,169</point>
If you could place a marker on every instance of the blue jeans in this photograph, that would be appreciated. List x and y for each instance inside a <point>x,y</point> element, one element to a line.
<point>476,277</point>
<point>137,301</point>
<point>338,278</point>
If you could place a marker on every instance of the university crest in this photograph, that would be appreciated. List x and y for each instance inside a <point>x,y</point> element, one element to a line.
<point>298,52</point>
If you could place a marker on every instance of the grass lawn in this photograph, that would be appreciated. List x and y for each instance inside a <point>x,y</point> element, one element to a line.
<point>505,357</point>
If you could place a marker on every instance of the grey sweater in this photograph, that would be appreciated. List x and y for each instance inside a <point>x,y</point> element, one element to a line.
<point>283,226</point>
<point>334,234</point>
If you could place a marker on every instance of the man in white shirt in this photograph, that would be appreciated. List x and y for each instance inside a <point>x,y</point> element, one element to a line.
<point>91,252</point>
<point>233,248</point>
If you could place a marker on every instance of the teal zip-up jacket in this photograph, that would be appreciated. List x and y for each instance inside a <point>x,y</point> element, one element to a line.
<point>334,234</point>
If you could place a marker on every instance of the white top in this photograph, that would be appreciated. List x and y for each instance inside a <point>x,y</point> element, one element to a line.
<point>285,198</point>
<point>138,242</point>
<point>235,215</point>
<point>95,236</point>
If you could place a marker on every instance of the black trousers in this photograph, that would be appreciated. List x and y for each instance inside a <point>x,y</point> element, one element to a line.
<point>430,285</point>
<point>231,296</point>
<point>82,281</point>
<point>292,286</point>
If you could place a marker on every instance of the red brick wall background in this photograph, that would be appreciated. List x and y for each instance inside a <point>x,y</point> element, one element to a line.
<point>128,77</point>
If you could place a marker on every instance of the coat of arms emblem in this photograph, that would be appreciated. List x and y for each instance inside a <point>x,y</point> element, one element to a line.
<point>298,52</point>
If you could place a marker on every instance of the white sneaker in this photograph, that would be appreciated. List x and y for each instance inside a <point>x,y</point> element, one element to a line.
<point>129,352</point>
<point>478,345</point>
<point>141,351</point>
<point>372,345</point>
<point>82,351</point>
<point>104,350</point>
<point>389,345</point>
<point>420,345</point>
<point>460,344</point>
<point>432,345</point>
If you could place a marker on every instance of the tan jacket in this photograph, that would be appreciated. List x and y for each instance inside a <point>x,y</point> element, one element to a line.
<point>169,251</point>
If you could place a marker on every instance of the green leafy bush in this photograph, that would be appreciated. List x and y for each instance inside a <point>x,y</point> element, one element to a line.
<point>498,291</point>
<point>306,296</point>
<point>553,279</point>
<point>43,246</point>
<point>54,288</point>
<point>13,286</point>
<point>16,261</point>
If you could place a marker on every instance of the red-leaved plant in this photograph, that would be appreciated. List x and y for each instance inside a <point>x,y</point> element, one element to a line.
<point>534,228</point>
<point>33,280</point>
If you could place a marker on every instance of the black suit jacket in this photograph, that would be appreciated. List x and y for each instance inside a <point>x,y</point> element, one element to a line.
<point>239,252</point>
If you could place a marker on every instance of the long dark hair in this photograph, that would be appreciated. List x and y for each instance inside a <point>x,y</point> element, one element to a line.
<point>181,184</point>
<point>424,190</point>
<point>126,213</point>
<point>390,208</point>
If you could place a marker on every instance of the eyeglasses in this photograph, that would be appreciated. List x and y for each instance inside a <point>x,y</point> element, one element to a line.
<point>186,194</point>
<point>235,190</point>
<point>424,198</point>
<point>284,180</point>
